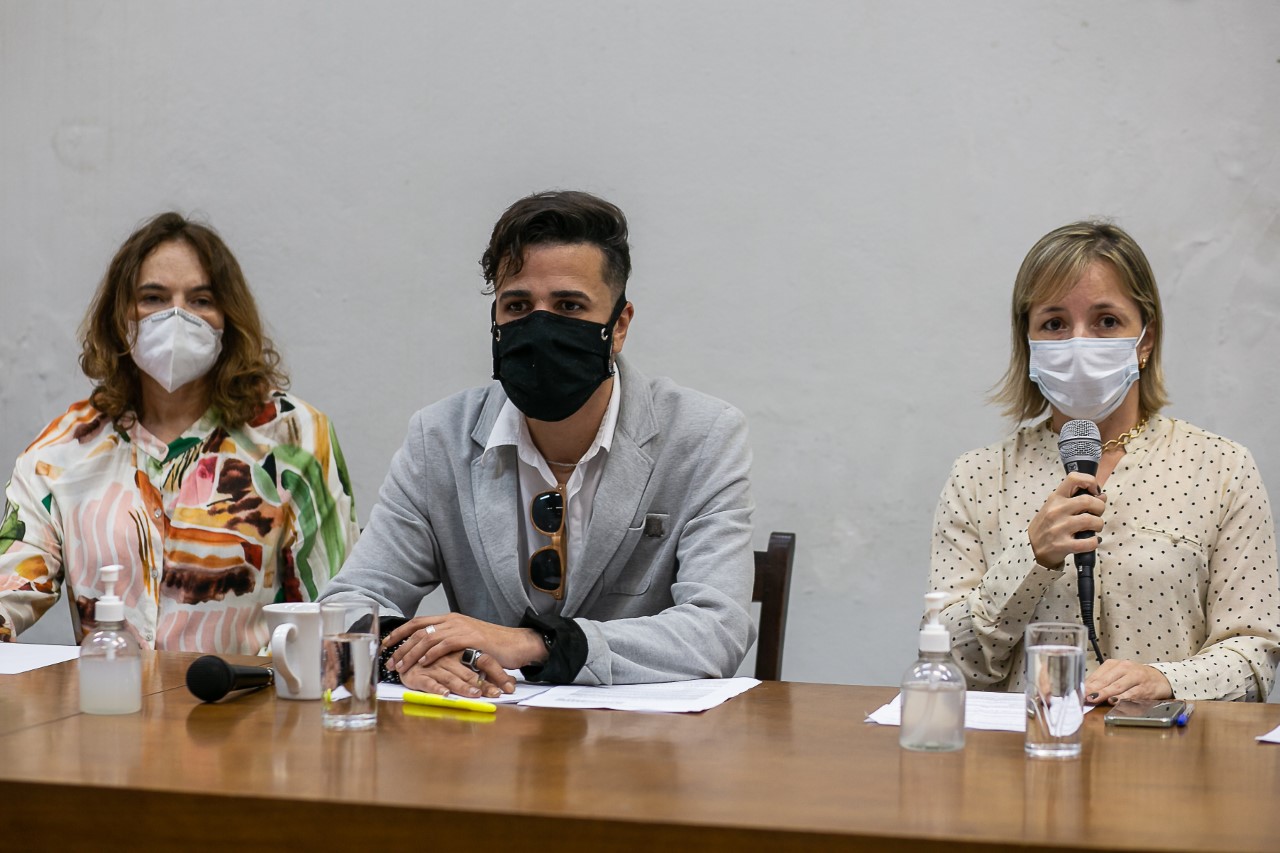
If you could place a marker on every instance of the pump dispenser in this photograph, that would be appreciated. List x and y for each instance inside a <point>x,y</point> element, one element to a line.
<point>933,689</point>
<point>110,661</point>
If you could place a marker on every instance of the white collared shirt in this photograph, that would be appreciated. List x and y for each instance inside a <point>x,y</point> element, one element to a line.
<point>510,429</point>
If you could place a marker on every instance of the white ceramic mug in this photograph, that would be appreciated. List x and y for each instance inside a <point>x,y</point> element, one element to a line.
<point>295,648</point>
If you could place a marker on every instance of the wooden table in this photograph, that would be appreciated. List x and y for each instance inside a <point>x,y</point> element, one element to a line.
<point>784,766</point>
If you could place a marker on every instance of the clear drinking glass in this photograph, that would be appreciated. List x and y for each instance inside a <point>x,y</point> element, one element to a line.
<point>349,664</point>
<point>1055,689</point>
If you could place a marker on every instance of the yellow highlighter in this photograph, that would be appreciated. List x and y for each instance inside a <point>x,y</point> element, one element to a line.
<point>411,710</point>
<point>435,701</point>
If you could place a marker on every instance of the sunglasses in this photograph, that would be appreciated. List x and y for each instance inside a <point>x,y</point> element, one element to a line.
<point>547,565</point>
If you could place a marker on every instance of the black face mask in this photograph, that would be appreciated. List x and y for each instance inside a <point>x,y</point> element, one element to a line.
<point>550,365</point>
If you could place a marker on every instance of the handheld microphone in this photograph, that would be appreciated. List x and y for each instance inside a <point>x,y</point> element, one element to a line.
<point>1080,446</point>
<point>210,678</point>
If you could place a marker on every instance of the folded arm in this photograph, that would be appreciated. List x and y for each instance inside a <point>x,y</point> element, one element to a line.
<point>395,562</point>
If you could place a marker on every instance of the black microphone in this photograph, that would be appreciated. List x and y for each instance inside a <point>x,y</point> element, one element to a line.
<point>1080,446</point>
<point>210,678</point>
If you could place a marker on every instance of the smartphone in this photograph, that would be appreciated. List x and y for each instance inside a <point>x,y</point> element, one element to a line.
<point>1139,712</point>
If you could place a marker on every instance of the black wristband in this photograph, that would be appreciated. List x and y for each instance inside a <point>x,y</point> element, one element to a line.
<point>566,648</point>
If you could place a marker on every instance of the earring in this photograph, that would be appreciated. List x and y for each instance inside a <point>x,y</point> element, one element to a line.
<point>1142,365</point>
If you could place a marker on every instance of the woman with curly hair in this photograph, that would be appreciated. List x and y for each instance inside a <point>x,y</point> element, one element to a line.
<point>189,465</point>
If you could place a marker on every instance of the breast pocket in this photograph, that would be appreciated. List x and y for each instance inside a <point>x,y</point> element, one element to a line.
<point>1170,553</point>
<point>1155,570</point>
<point>645,548</point>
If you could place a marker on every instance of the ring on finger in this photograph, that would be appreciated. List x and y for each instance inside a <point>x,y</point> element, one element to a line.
<point>430,629</point>
<point>471,659</point>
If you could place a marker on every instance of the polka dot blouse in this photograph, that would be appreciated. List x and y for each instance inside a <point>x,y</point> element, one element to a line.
<point>1186,574</point>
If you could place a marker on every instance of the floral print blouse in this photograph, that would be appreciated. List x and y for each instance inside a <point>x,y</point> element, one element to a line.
<point>208,528</point>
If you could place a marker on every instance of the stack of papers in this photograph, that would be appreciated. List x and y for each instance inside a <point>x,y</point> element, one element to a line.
<point>524,690</point>
<point>668,697</point>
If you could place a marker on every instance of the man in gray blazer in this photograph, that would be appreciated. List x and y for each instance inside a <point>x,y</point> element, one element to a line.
<point>588,524</point>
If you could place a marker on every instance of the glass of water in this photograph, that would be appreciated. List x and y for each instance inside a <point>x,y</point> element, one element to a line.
<point>349,664</point>
<point>1055,689</point>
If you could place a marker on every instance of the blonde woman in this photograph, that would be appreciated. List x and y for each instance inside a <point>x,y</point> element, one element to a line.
<point>1186,582</point>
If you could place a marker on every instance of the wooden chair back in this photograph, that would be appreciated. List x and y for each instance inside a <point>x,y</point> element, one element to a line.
<point>773,590</point>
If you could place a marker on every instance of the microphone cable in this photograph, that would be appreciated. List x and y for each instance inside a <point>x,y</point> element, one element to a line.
<point>1080,446</point>
<point>1084,580</point>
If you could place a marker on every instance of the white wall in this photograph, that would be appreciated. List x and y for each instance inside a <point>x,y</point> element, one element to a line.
<point>829,202</point>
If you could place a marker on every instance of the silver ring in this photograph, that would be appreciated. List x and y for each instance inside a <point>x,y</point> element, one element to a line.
<point>430,629</point>
<point>471,659</point>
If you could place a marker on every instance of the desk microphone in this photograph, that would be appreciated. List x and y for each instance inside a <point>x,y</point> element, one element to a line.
<point>210,678</point>
<point>1080,446</point>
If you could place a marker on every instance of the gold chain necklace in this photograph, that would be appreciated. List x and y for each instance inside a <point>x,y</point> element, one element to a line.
<point>1124,438</point>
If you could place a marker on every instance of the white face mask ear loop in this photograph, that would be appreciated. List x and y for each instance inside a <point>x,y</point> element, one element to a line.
<point>134,330</point>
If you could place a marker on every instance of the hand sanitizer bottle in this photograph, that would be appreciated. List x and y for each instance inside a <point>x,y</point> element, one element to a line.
<point>110,661</point>
<point>933,689</point>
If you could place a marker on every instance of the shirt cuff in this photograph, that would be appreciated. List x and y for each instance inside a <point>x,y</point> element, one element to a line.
<point>1207,676</point>
<point>566,648</point>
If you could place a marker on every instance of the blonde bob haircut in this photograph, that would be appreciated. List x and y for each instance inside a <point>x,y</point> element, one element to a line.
<point>1052,267</point>
<point>248,367</point>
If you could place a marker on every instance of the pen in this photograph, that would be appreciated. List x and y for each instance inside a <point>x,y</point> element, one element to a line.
<point>1186,713</point>
<point>418,698</point>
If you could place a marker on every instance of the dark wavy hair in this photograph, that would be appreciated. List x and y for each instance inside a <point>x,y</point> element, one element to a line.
<point>247,369</point>
<point>559,217</point>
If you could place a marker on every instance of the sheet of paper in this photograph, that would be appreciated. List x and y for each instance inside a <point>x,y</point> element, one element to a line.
<point>21,657</point>
<point>671,697</point>
<point>1272,736</point>
<point>997,712</point>
<point>524,690</point>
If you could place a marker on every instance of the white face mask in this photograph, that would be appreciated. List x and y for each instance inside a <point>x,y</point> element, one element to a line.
<point>174,347</point>
<point>1085,378</point>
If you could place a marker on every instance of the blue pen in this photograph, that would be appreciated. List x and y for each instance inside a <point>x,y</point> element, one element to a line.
<point>1186,713</point>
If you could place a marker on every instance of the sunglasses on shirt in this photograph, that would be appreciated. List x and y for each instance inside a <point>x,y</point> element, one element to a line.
<point>547,565</point>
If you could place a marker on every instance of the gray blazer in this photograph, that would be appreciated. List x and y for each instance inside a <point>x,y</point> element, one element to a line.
<point>665,579</point>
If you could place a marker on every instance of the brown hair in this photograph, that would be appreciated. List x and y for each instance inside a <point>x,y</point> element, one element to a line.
<point>1054,264</point>
<point>563,217</point>
<point>248,367</point>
